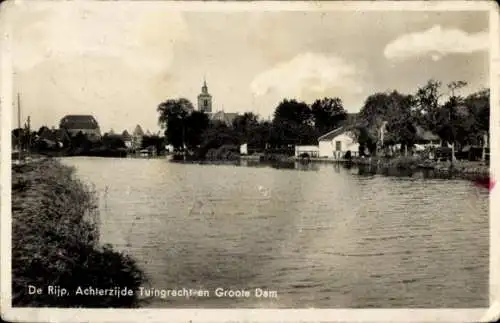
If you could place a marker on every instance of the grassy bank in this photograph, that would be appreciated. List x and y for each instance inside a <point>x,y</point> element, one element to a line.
<point>55,241</point>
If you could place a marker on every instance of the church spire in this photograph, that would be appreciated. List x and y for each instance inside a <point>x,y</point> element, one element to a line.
<point>204,98</point>
<point>204,88</point>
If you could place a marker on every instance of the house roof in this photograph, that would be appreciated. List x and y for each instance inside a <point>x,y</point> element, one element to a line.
<point>79,122</point>
<point>125,135</point>
<point>226,117</point>
<point>334,133</point>
<point>421,135</point>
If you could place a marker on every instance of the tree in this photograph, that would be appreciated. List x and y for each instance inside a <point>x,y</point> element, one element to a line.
<point>21,136</point>
<point>113,142</point>
<point>80,143</point>
<point>245,126</point>
<point>173,114</point>
<point>195,125</point>
<point>261,136</point>
<point>155,141</point>
<point>373,114</point>
<point>478,104</point>
<point>366,140</point>
<point>294,112</point>
<point>427,97</point>
<point>217,135</point>
<point>328,114</point>
<point>401,123</point>
<point>293,124</point>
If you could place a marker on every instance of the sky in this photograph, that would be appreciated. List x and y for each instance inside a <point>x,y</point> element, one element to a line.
<point>118,60</point>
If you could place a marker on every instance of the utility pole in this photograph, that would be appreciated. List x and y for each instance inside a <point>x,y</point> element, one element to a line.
<point>28,128</point>
<point>20,130</point>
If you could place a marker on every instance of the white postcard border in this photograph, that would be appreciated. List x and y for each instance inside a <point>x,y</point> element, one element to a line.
<point>267,315</point>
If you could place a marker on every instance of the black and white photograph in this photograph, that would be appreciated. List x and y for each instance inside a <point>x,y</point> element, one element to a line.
<point>248,156</point>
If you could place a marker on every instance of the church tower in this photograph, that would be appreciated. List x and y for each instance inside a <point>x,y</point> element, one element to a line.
<point>205,99</point>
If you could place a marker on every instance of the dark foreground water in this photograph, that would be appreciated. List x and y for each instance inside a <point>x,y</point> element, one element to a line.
<point>320,235</point>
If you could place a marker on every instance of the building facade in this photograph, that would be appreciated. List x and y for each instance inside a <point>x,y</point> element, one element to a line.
<point>336,143</point>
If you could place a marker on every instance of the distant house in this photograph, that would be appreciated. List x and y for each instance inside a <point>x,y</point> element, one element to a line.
<point>427,137</point>
<point>244,149</point>
<point>225,117</point>
<point>137,136</point>
<point>85,124</point>
<point>336,143</point>
<point>423,139</point>
<point>127,139</point>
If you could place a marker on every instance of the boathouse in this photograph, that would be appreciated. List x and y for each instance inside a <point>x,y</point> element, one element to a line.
<point>309,151</point>
<point>336,143</point>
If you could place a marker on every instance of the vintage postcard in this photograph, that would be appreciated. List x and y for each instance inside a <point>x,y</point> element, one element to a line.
<point>249,161</point>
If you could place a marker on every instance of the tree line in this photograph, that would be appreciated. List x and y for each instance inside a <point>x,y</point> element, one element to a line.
<point>456,119</point>
<point>59,142</point>
<point>293,123</point>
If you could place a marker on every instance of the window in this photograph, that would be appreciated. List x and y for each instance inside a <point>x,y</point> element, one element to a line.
<point>338,145</point>
<point>205,103</point>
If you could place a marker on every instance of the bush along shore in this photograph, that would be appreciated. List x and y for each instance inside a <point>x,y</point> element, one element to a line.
<point>55,242</point>
<point>444,169</point>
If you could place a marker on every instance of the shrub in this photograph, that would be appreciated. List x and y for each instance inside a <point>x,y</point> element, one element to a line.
<point>406,162</point>
<point>55,241</point>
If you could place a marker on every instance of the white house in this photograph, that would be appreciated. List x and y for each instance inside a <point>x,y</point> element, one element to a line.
<point>336,143</point>
<point>244,149</point>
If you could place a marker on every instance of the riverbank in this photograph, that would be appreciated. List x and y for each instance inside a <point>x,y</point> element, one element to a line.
<point>458,168</point>
<point>55,241</point>
<point>471,170</point>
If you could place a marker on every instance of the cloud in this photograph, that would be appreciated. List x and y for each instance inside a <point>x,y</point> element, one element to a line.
<point>308,76</point>
<point>142,37</point>
<point>436,42</point>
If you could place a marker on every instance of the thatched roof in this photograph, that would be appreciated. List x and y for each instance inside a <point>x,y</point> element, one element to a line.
<point>79,122</point>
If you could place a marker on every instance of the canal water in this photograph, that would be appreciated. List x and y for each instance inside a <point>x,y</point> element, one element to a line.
<point>321,236</point>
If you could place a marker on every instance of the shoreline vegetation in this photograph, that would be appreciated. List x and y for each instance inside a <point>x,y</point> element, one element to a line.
<point>55,242</point>
<point>435,120</point>
<point>471,170</point>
